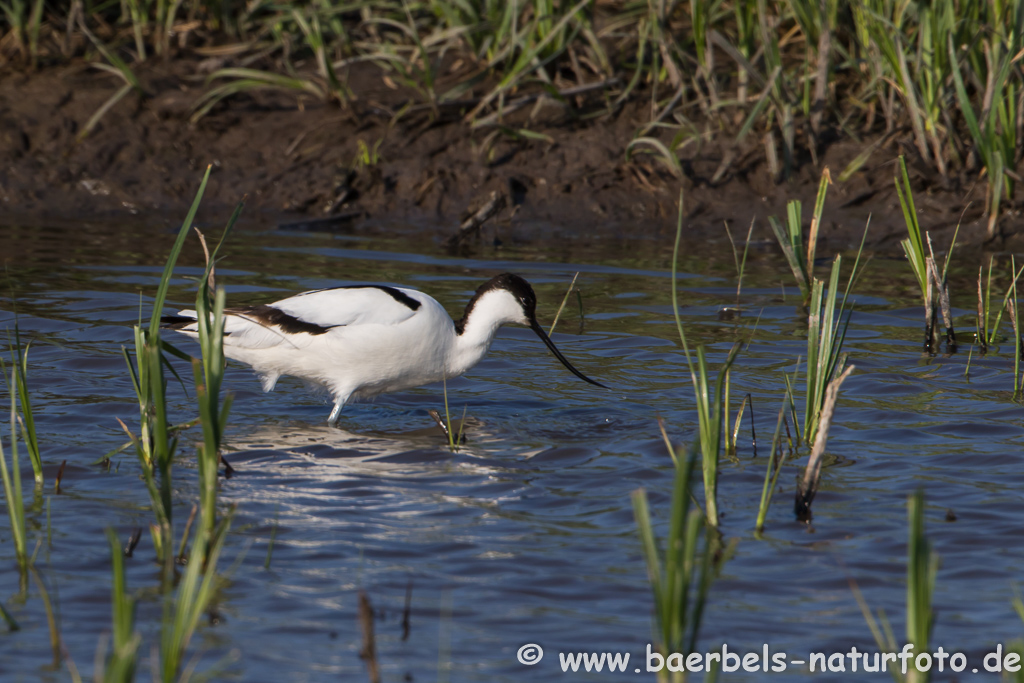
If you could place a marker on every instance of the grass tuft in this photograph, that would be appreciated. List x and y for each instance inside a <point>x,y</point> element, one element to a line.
<point>680,575</point>
<point>791,237</point>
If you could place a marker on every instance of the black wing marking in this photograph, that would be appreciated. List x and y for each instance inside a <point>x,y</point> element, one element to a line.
<point>268,316</point>
<point>395,293</point>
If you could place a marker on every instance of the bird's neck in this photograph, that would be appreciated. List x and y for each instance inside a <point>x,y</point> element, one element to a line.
<point>473,337</point>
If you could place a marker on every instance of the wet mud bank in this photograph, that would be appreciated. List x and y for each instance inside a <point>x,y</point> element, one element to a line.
<point>546,173</point>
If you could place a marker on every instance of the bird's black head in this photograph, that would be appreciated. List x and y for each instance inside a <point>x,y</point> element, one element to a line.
<point>526,299</point>
<point>517,287</point>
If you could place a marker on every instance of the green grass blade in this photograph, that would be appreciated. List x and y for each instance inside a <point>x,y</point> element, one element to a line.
<point>172,259</point>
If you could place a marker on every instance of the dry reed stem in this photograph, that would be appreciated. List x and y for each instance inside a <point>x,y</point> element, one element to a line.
<point>369,651</point>
<point>929,309</point>
<point>982,335</point>
<point>473,223</point>
<point>942,292</point>
<point>812,473</point>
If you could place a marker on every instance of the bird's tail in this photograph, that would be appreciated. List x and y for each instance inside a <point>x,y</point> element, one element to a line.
<point>176,322</point>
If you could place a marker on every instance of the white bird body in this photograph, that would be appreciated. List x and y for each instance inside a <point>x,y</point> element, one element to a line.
<point>363,341</point>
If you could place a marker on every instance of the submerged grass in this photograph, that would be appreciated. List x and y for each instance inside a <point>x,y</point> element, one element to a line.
<point>922,567</point>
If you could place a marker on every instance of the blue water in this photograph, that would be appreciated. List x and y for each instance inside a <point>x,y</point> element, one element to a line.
<point>526,534</point>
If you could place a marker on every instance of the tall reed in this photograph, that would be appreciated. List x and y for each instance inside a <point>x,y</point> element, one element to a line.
<point>12,489</point>
<point>26,417</point>
<point>156,444</point>
<point>711,409</point>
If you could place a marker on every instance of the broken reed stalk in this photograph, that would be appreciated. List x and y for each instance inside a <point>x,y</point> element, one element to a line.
<point>930,331</point>
<point>981,328</point>
<point>471,225</point>
<point>808,486</point>
<point>561,307</point>
<point>270,544</point>
<point>938,291</point>
<point>368,653</point>
<point>941,290</point>
<point>933,284</point>
<point>1013,310</point>
<point>133,541</point>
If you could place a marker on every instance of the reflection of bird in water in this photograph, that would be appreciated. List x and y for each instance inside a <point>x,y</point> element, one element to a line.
<point>364,340</point>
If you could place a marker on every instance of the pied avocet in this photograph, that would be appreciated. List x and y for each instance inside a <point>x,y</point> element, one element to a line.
<point>360,341</point>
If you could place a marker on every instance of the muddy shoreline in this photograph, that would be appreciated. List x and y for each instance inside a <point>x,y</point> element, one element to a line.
<point>317,166</point>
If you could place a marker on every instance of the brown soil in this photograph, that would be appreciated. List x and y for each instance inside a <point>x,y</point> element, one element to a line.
<point>296,161</point>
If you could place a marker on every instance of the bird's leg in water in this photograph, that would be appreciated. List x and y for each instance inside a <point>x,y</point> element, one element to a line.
<point>335,414</point>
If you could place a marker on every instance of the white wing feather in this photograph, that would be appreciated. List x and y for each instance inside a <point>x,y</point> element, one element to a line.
<point>349,306</point>
<point>331,308</point>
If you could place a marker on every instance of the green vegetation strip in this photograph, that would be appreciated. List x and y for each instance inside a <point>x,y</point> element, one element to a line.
<point>941,77</point>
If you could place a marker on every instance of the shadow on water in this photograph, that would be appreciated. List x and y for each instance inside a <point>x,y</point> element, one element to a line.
<point>525,534</point>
